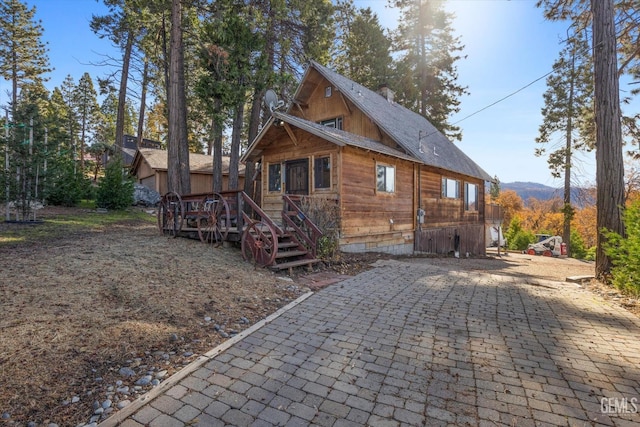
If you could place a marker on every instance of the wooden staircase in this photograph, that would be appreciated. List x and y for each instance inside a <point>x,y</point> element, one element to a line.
<point>282,247</point>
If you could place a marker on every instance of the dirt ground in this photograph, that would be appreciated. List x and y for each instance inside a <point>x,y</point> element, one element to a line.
<point>78,311</point>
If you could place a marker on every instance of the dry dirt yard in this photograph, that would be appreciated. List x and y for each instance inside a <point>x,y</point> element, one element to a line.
<point>86,317</point>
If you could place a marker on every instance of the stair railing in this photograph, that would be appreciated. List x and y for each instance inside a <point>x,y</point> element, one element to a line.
<point>257,210</point>
<point>305,231</point>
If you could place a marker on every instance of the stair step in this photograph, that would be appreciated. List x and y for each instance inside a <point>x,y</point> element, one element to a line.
<point>290,254</point>
<point>293,264</point>
<point>286,245</point>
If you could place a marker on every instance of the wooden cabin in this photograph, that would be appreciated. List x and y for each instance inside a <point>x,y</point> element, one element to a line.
<point>149,167</point>
<point>401,186</point>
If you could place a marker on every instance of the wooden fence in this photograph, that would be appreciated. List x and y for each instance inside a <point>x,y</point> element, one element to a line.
<point>442,241</point>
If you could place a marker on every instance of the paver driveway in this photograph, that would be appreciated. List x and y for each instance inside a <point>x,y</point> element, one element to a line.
<point>410,344</point>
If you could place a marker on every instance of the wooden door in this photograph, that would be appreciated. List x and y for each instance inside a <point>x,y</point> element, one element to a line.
<point>297,177</point>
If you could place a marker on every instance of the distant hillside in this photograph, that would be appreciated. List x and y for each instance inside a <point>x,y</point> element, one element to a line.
<point>527,190</point>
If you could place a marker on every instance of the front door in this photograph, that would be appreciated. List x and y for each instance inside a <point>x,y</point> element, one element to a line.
<point>297,177</point>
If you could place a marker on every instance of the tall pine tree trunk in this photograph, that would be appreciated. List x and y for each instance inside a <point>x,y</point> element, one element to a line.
<point>609,161</point>
<point>217,146</point>
<point>234,160</point>
<point>143,101</point>
<point>122,94</point>
<point>568,211</point>
<point>178,172</point>
<point>254,125</point>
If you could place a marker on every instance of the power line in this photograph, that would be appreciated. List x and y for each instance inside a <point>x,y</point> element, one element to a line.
<point>503,98</point>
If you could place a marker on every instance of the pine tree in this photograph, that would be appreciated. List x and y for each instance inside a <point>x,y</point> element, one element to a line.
<point>568,104</point>
<point>608,20</point>
<point>425,71</point>
<point>361,51</point>
<point>23,55</point>
<point>88,112</point>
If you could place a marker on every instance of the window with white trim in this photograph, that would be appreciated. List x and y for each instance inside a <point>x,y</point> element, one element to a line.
<point>336,122</point>
<point>450,188</point>
<point>385,178</point>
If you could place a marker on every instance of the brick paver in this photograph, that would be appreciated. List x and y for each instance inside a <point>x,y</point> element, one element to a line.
<point>410,344</point>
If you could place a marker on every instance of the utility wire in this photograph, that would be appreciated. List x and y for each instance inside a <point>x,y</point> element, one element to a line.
<point>503,98</point>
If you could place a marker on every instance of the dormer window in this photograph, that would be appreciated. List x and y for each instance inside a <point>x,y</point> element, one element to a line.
<point>333,123</point>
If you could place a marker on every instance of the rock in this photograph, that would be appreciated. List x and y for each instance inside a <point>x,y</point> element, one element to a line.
<point>173,337</point>
<point>98,411</point>
<point>187,354</point>
<point>155,382</point>
<point>244,320</point>
<point>126,372</point>
<point>161,374</point>
<point>223,334</point>
<point>52,425</point>
<point>143,196</point>
<point>32,424</point>
<point>144,380</point>
<point>123,390</point>
<point>123,404</point>
<point>75,399</point>
<point>217,327</point>
<point>207,319</point>
<point>106,404</point>
<point>6,415</point>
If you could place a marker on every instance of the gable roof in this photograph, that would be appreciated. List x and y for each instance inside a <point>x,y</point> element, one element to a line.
<point>199,163</point>
<point>411,131</point>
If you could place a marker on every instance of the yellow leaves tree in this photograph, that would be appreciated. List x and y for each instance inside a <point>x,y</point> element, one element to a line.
<point>510,203</point>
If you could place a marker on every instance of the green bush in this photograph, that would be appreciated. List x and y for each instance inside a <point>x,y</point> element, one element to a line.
<point>115,191</point>
<point>577,246</point>
<point>64,185</point>
<point>624,252</point>
<point>517,238</point>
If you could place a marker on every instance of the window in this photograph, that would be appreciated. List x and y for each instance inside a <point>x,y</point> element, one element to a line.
<point>386,177</point>
<point>470,197</point>
<point>333,123</point>
<point>322,172</point>
<point>327,91</point>
<point>275,177</point>
<point>450,188</point>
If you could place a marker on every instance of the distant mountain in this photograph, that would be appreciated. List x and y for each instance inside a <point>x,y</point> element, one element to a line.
<point>526,190</point>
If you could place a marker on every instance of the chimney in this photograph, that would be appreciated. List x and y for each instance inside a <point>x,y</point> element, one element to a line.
<point>386,93</point>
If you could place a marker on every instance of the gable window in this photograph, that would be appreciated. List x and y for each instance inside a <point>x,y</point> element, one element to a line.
<point>336,122</point>
<point>385,178</point>
<point>470,197</point>
<point>322,172</point>
<point>327,91</point>
<point>275,177</point>
<point>450,188</point>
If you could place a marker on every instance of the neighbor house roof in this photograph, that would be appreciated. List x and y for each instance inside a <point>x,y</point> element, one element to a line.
<point>200,163</point>
<point>411,131</point>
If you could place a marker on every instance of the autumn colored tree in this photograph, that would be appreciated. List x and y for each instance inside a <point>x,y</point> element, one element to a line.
<point>510,203</point>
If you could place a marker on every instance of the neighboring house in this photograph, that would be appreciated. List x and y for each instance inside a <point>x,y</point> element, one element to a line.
<point>401,185</point>
<point>149,167</point>
<point>130,146</point>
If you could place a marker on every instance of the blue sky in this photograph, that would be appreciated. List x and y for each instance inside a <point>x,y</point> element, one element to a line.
<point>508,45</point>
